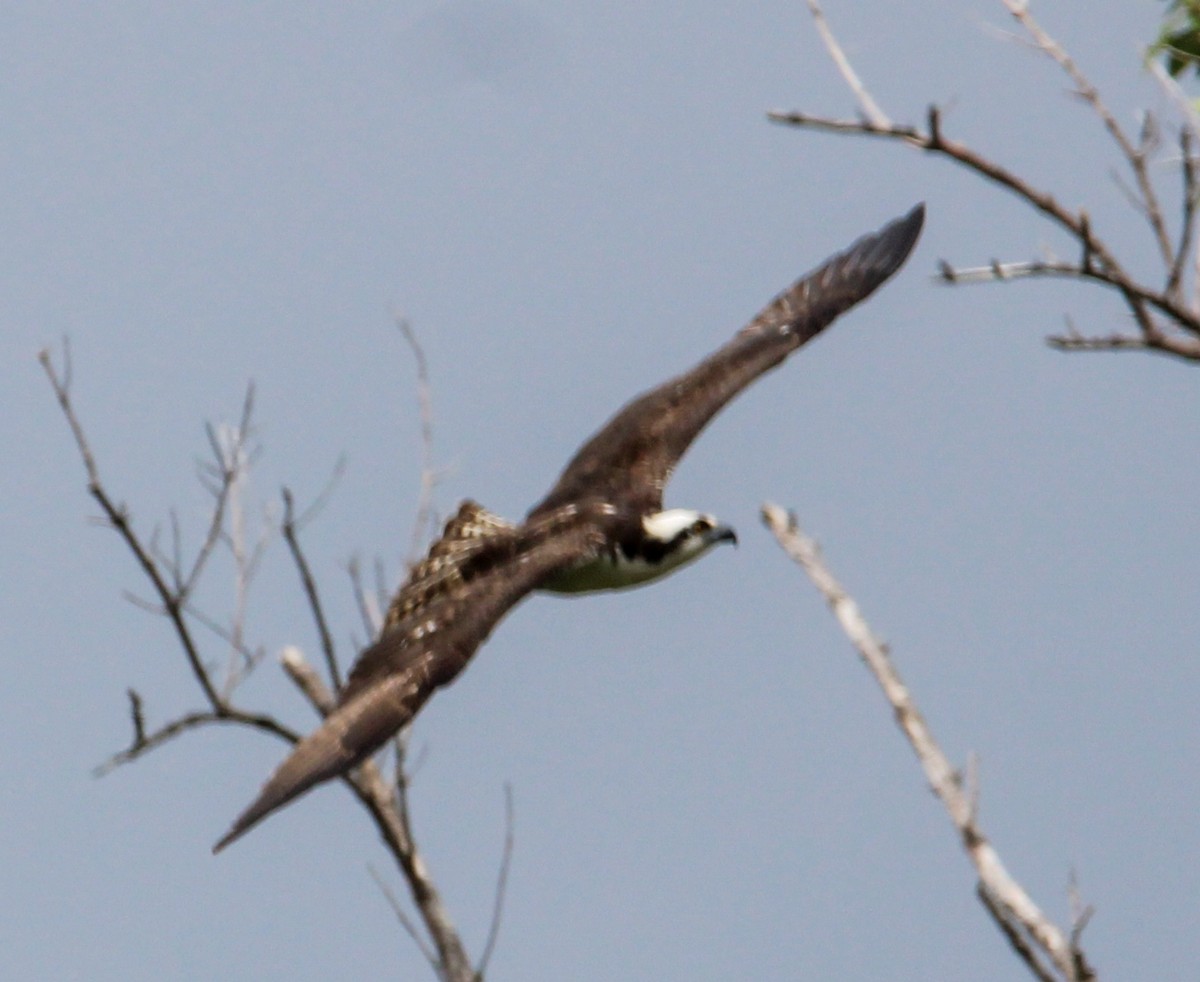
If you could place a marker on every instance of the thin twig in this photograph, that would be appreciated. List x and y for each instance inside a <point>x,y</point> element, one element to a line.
<point>869,106</point>
<point>405,922</point>
<point>1108,342</point>
<point>1191,198</point>
<point>378,603</point>
<point>501,884</point>
<point>144,742</point>
<point>118,518</point>
<point>136,716</point>
<point>226,471</point>
<point>1089,93</point>
<point>995,271</point>
<point>250,656</point>
<point>368,609</point>
<point>429,476</point>
<point>291,536</point>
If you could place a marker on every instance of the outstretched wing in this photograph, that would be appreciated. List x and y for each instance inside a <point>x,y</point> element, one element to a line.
<point>425,648</point>
<point>631,458</point>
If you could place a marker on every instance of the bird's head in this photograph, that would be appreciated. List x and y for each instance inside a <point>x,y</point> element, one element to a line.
<point>685,535</point>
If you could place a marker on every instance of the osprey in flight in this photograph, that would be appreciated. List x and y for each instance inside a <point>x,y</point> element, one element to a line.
<point>601,527</point>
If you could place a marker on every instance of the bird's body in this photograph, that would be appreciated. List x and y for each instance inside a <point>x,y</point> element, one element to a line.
<point>601,527</point>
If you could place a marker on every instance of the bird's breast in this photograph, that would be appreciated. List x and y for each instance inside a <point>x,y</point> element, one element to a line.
<point>606,572</point>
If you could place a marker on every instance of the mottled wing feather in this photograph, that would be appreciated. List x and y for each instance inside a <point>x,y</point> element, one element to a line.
<point>426,649</point>
<point>473,541</point>
<point>631,458</point>
<point>470,531</point>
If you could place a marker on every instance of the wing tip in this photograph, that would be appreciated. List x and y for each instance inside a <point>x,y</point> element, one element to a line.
<point>914,220</point>
<point>896,239</point>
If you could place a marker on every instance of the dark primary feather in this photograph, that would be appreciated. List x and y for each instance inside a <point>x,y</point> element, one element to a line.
<point>633,454</point>
<point>429,638</point>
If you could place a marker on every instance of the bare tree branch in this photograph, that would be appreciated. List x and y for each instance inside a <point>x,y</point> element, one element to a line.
<point>1135,156</point>
<point>1004,892</point>
<point>144,742</point>
<point>118,518</point>
<point>173,587</point>
<point>1015,936</point>
<point>1166,322</point>
<point>1098,263</point>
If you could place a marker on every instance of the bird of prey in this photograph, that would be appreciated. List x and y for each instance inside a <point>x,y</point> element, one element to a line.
<point>601,527</point>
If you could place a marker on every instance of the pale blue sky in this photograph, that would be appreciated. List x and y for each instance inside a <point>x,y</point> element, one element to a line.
<point>570,204</point>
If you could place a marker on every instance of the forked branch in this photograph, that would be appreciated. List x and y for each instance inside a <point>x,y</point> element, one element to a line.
<point>173,581</point>
<point>1167,322</point>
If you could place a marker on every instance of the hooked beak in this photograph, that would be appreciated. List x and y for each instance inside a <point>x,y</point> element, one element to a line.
<point>723,533</point>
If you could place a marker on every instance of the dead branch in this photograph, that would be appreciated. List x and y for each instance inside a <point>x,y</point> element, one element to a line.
<point>173,587</point>
<point>144,742</point>
<point>1166,322</point>
<point>118,518</point>
<point>1017,911</point>
<point>1135,156</point>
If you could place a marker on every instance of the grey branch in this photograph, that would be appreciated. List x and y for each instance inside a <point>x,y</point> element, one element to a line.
<point>1011,906</point>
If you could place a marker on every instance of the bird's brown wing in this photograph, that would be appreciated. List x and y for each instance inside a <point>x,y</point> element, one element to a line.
<point>472,532</point>
<point>631,458</point>
<point>426,649</point>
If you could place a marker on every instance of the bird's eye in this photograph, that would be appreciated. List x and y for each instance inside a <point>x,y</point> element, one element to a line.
<point>700,525</point>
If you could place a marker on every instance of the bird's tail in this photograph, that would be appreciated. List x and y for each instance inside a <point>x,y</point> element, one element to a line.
<point>349,735</point>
